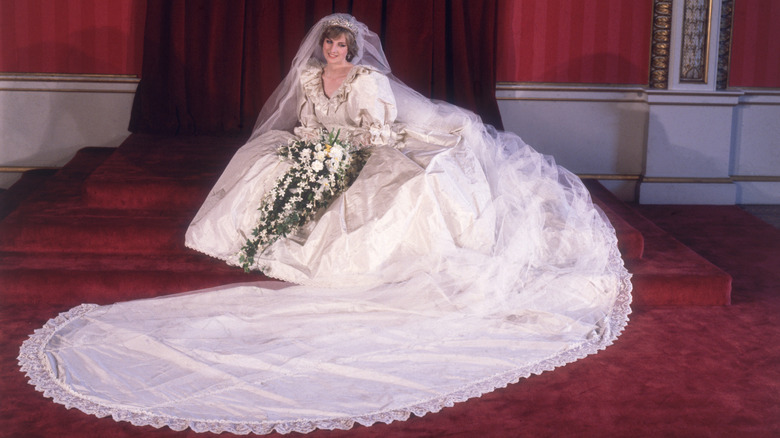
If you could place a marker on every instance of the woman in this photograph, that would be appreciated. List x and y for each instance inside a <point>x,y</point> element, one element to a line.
<point>458,261</point>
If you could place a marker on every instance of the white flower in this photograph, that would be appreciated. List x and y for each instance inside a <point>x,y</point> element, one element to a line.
<point>379,133</point>
<point>337,152</point>
<point>303,187</point>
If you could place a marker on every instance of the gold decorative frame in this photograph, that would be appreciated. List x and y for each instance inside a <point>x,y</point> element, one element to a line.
<point>661,44</point>
<point>695,49</point>
<point>724,43</point>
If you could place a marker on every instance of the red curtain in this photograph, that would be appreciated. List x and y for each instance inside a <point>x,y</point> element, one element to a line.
<point>209,66</point>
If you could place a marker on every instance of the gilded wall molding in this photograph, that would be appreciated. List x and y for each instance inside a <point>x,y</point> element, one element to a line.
<point>724,43</point>
<point>67,90</point>
<point>22,169</point>
<point>661,44</point>
<point>694,56</point>
<point>684,180</point>
<point>68,77</point>
<point>725,180</point>
<point>610,176</point>
<point>67,83</point>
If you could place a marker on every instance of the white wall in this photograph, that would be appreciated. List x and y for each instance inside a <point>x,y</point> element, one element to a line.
<point>756,148</point>
<point>45,119</point>
<point>672,146</point>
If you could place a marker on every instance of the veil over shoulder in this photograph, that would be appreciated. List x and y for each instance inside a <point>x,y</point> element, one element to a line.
<point>460,260</point>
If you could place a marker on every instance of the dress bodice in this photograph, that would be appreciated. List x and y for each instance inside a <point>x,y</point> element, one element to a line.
<point>363,107</point>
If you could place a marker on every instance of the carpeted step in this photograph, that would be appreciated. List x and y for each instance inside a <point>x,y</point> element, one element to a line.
<point>84,162</point>
<point>120,216</point>
<point>630,240</point>
<point>70,279</point>
<point>104,234</point>
<point>63,186</point>
<point>149,193</point>
<point>668,273</point>
<point>23,189</point>
<point>671,274</point>
<point>158,172</point>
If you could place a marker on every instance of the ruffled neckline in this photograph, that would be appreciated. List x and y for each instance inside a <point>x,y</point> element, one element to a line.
<point>311,79</point>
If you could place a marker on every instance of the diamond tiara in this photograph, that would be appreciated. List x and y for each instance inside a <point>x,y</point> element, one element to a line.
<point>342,22</point>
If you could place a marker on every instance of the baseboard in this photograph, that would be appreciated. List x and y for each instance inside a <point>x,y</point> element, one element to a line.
<point>47,118</point>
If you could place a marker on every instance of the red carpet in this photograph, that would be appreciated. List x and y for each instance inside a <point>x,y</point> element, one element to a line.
<point>110,227</point>
<point>667,273</point>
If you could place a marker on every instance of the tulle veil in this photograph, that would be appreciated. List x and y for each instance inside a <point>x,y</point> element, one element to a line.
<point>280,111</point>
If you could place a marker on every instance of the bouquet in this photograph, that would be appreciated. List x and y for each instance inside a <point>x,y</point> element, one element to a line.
<point>320,171</point>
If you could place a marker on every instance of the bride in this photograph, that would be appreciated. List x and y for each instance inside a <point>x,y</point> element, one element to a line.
<point>458,261</point>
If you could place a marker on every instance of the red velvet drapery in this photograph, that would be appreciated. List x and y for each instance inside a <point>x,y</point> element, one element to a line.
<point>209,66</point>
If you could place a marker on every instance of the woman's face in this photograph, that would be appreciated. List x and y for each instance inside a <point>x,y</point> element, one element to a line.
<point>335,49</point>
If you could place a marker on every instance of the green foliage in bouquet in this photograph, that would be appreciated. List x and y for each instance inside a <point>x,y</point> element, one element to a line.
<point>319,172</point>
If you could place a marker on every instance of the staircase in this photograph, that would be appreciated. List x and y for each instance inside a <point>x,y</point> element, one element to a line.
<point>110,226</point>
<point>665,272</point>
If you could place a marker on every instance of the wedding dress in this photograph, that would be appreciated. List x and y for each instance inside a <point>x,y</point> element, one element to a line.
<point>459,261</point>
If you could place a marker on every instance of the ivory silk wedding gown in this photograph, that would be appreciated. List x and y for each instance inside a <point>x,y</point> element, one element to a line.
<point>459,261</point>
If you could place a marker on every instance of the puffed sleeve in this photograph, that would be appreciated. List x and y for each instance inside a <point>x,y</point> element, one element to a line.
<point>371,107</point>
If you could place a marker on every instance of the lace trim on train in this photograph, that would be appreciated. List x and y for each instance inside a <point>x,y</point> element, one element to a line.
<point>33,362</point>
